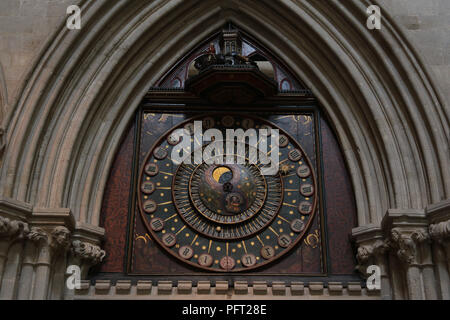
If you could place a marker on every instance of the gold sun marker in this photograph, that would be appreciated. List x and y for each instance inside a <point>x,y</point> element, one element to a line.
<point>182,228</point>
<point>195,238</point>
<point>245,248</point>
<point>271,229</point>
<point>203,247</point>
<point>187,235</point>
<point>171,217</point>
<point>260,241</point>
<point>288,204</point>
<point>164,203</point>
<point>218,248</point>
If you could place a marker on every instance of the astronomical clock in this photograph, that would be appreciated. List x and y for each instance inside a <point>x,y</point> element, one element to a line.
<point>176,205</point>
<point>227,217</point>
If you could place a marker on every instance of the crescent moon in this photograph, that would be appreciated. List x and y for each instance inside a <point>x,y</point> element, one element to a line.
<point>141,237</point>
<point>218,172</point>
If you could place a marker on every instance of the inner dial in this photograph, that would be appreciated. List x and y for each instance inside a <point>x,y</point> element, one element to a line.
<point>227,201</point>
<point>227,194</point>
<point>227,217</point>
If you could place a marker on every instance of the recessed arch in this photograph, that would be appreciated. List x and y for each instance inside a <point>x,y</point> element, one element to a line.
<point>64,130</point>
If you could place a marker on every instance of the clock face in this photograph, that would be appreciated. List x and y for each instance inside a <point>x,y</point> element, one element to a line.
<point>229,215</point>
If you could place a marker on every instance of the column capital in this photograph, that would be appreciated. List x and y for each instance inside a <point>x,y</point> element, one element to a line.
<point>406,243</point>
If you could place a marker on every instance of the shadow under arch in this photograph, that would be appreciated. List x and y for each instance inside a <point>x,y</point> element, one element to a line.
<point>65,128</point>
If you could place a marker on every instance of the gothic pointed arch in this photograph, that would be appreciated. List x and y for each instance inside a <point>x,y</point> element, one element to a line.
<point>66,127</point>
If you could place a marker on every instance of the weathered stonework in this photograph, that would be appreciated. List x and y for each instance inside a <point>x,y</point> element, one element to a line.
<point>51,183</point>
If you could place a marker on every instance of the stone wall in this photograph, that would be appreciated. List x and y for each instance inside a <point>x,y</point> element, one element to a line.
<point>26,27</point>
<point>427,25</point>
<point>69,95</point>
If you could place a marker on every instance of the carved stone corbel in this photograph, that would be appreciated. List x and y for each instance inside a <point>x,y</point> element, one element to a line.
<point>372,250</point>
<point>13,229</point>
<point>370,254</point>
<point>440,232</point>
<point>87,254</point>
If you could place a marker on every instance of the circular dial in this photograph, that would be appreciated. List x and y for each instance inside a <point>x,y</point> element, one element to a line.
<point>227,215</point>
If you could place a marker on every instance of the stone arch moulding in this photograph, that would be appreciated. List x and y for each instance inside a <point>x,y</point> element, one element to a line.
<point>83,90</point>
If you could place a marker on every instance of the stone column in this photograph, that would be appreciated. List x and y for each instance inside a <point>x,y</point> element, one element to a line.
<point>413,249</point>
<point>439,217</point>
<point>14,232</point>
<point>49,250</point>
<point>409,241</point>
<point>35,236</point>
<point>372,250</point>
<point>86,251</point>
<point>440,233</point>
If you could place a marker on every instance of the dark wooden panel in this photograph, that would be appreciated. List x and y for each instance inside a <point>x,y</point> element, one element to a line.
<point>114,215</point>
<point>341,209</point>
